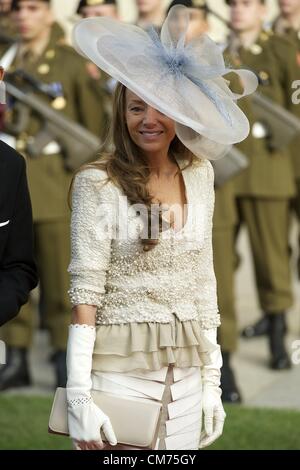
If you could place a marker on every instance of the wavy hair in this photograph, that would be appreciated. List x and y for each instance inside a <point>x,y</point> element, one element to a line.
<point>128,168</point>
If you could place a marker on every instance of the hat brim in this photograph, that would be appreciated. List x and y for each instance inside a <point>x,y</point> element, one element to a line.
<point>128,54</point>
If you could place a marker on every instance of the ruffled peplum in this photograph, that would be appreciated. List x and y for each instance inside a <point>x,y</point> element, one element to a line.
<point>151,346</point>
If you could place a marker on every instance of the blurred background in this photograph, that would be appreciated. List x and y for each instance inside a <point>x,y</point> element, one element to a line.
<point>64,10</point>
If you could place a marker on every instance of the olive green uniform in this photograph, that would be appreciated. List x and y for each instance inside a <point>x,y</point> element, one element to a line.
<point>7,29</point>
<point>262,194</point>
<point>294,36</point>
<point>264,190</point>
<point>224,223</point>
<point>49,183</point>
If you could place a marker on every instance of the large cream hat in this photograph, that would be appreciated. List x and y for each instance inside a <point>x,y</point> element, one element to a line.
<point>183,81</point>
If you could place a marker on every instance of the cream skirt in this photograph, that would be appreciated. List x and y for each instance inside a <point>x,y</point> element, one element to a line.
<point>179,390</point>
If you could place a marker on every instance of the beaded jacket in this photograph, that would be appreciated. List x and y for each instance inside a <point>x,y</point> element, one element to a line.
<point>110,269</point>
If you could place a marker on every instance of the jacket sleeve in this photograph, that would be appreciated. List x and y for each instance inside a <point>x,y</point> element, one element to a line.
<point>18,274</point>
<point>91,235</point>
<point>207,293</point>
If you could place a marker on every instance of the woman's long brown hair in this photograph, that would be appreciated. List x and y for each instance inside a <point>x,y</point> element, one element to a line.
<point>127,167</point>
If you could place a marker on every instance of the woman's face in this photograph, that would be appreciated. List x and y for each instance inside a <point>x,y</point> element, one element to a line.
<point>149,129</point>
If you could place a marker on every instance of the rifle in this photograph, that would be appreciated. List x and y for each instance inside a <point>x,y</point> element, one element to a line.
<point>77,143</point>
<point>281,125</point>
<point>229,166</point>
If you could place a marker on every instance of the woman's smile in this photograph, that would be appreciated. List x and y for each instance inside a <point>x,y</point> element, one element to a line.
<point>151,135</point>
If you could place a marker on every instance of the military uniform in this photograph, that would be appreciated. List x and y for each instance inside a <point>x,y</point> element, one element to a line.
<point>225,222</point>
<point>7,29</point>
<point>293,36</point>
<point>49,183</point>
<point>264,190</point>
<point>107,84</point>
<point>57,33</point>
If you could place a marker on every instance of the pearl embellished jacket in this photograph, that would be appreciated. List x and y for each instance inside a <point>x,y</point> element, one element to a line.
<point>110,269</point>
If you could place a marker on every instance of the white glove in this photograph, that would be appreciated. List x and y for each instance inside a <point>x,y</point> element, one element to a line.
<point>213,411</point>
<point>84,417</point>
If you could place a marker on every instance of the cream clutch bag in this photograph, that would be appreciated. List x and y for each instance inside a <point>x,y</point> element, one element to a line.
<point>135,420</point>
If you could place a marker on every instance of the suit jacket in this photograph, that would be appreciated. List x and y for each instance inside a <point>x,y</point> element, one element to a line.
<point>18,274</point>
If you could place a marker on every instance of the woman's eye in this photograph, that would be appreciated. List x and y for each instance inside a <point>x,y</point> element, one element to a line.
<point>136,109</point>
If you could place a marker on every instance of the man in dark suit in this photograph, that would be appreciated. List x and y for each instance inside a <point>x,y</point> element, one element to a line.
<point>18,274</point>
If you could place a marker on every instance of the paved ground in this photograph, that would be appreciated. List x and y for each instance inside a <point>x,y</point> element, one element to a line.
<point>259,385</point>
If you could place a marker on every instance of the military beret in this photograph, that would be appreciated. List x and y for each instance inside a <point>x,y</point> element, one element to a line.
<point>189,4</point>
<point>229,1</point>
<point>92,3</point>
<point>15,3</point>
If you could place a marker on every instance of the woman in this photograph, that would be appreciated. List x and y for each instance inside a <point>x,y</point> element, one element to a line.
<point>143,288</point>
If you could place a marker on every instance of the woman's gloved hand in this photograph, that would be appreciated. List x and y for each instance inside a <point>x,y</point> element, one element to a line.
<point>212,407</point>
<point>85,419</point>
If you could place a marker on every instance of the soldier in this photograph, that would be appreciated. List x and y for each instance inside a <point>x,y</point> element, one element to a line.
<point>52,62</point>
<point>265,189</point>
<point>225,219</point>
<point>288,22</point>
<point>287,25</point>
<point>198,16</point>
<point>5,7</point>
<point>89,8</point>
<point>150,12</point>
<point>92,8</point>
<point>7,31</point>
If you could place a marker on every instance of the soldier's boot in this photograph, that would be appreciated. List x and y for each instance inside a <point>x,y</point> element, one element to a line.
<point>260,328</point>
<point>279,356</point>
<point>230,391</point>
<point>59,361</point>
<point>15,373</point>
